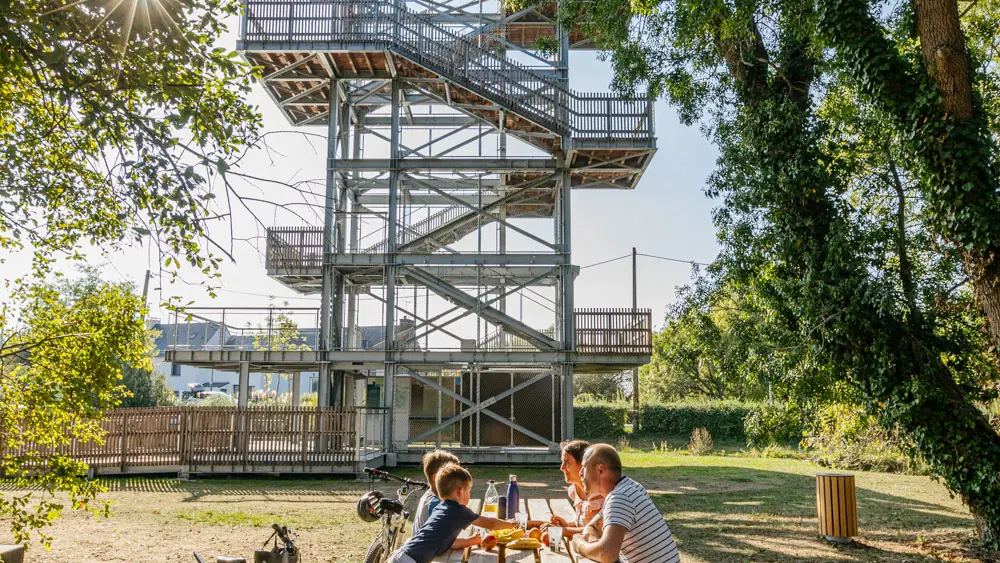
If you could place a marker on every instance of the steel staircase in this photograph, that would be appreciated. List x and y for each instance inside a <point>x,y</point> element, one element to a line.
<point>538,339</point>
<point>544,100</point>
<point>504,340</point>
<point>452,223</point>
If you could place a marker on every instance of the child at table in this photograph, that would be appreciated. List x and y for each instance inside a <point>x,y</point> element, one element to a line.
<point>440,532</point>
<point>433,461</point>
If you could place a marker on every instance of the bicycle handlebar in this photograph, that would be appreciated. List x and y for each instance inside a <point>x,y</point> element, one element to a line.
<point>282,533</point>
<point>390,477</point>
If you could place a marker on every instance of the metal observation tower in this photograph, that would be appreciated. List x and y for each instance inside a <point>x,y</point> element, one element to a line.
<point>444,258</point>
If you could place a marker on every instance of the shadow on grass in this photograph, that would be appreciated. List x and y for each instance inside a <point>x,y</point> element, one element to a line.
<point>740,514</point>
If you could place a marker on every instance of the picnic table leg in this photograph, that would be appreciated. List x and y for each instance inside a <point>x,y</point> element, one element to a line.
<point>569,549</point>
<point>501,552</point>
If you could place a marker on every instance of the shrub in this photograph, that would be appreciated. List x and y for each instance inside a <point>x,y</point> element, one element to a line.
<point>146,388</point>
<point>773,425</point>
<point>701,441</point>
<point>217,401</point>
<point>846,437</point>
<point>778,452</point>
<point>624,446</point>
<point>723,419</point>
<point>599,420</point>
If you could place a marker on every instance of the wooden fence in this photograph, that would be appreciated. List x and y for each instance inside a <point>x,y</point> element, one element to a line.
<point>614,331</point>
<point>224,440</point>
<point>294,247</point>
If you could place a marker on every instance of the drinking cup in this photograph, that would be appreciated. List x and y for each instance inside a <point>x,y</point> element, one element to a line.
<point>522,520</point>
<point>555,538</point>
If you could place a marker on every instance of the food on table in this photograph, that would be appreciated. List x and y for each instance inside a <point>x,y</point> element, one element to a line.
<point>489,542</point>
<point>545,538</point>
<point>535,534</point>
<point>509,535</point>
<point>525,543</point>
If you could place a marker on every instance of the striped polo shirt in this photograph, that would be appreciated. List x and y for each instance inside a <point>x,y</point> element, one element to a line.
<point>647,536</point>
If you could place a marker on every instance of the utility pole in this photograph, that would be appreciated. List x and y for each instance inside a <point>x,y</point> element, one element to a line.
<point>145,292</point>
<point>635,371</point>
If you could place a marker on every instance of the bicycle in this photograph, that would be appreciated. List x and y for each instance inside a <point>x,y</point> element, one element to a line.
<point>373,506</point>
<point>286,553</point>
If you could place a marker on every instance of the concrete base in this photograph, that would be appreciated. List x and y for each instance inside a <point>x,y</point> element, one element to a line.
<point>12,553</point>
<point>838,539</point>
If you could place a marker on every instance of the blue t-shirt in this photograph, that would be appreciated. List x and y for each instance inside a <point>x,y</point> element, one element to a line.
<point>442,527</point>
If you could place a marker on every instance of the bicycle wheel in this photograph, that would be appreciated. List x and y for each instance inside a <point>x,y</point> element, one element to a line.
<point>376,553</point>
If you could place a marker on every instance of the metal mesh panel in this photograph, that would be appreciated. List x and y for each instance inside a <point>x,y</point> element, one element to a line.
<point>430,407</point>
<point>535,407</point>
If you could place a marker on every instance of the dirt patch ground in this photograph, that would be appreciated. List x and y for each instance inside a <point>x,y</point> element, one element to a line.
<point>720,508</point>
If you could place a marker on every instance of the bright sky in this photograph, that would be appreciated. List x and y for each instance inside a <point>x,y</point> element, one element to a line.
<point>667,216</point>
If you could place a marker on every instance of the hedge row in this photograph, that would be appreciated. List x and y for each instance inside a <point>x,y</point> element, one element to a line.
<point>723,419</point>
<point>599,420</point>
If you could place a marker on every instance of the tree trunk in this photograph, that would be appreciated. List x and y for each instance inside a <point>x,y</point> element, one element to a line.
<point>988,535</point>
<point>945,59</point>
<point>946,62</point>
<point>984,281</point>
<point>954,436</point>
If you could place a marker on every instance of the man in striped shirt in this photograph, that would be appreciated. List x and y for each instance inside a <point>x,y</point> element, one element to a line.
<point>629,527</point>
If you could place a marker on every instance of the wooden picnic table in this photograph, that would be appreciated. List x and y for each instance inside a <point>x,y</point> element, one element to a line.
<point>537,509</point>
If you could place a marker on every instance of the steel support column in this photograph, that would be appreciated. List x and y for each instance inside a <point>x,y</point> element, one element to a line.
<point>327,322</point>
<point>340,240</point>
<point>391,268</point>
<point>352,305</point>
<point>243,394</point>
<point>565,300</point>
<point>296,389</point>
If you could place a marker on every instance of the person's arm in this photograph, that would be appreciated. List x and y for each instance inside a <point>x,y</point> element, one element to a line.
<point>603,547</point>
<point>471,541</point>
<point>594,507</point>
<point>591,531</point>
<point>569,530</point>
<point>491,523</point>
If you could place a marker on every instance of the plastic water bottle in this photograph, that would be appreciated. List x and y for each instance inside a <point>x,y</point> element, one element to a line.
<point>513,496</point>
<point>491,502</point>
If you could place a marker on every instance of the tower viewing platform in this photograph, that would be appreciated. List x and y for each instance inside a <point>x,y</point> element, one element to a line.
<point>454,145</point>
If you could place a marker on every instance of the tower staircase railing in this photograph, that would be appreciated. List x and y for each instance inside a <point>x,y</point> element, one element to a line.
<point>422,228</point>
<point>452,223</point>
<point>379,24</point>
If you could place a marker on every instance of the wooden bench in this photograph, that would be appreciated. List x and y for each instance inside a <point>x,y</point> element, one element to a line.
<point>12,553</point>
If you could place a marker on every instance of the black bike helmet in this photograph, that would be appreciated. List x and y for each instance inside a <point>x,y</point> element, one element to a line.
<point>368,506</point>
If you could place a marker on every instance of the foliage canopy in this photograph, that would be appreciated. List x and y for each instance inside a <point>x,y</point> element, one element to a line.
<point>858,189</point>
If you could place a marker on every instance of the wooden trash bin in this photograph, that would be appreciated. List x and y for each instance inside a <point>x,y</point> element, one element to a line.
<point>837,506</point>
<point>12,553</point>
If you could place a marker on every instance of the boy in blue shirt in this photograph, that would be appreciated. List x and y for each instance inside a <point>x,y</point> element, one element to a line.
<point>440,532</point>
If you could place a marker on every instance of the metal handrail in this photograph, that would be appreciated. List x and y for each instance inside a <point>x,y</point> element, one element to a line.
<point>421,228</point>
<point>457,216</point>
<point>374,23</point>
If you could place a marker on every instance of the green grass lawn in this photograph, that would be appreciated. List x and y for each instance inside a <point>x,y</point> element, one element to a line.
<point>721,508</point>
